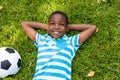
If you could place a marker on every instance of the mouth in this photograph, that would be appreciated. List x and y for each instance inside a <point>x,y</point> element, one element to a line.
<point>56,32</point>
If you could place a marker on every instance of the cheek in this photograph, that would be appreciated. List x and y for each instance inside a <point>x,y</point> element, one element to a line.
<point>64,29</point>
<point>50,27</point>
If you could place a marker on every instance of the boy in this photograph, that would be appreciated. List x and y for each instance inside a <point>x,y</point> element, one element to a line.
<point>56,50</point>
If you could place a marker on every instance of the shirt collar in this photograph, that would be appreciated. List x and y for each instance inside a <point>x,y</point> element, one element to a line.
<point>64,37</point>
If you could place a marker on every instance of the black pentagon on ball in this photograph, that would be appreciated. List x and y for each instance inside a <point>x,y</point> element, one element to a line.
<point>5,64</point>
<point>9,50</point>
<point>19,63</point>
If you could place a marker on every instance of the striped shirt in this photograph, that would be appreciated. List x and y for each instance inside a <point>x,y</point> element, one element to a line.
<point>55,57</point>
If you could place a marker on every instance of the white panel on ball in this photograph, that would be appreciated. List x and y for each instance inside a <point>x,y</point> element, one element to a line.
<point>10,61</point>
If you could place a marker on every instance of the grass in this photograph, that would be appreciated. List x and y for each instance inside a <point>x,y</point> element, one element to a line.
<point>101,53</point>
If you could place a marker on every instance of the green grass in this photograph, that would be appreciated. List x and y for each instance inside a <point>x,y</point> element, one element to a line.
<point>101,53</point>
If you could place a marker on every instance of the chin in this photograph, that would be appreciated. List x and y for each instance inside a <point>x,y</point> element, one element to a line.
<point>56,37</point>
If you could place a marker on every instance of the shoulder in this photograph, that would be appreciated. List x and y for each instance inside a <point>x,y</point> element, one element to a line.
<point>41,37</point>
<point>74,40</point>
<point>76,36</point>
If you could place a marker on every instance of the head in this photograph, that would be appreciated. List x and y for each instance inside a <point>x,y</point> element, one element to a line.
<point>57,22</point>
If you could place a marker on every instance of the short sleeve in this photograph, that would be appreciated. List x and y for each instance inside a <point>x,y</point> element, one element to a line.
<point>74,40</point>
<point>37,39</point>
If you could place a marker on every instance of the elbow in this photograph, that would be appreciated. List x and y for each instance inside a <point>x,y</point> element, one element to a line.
<point>94,28</point>
<point>22,23</point>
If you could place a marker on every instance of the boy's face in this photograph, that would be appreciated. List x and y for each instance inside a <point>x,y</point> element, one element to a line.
<point>57,25</point>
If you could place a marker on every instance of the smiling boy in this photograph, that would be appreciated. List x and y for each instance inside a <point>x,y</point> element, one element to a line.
<point>56,50</point>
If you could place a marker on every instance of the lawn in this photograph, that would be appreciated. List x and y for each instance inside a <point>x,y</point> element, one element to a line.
<point>101,53</point>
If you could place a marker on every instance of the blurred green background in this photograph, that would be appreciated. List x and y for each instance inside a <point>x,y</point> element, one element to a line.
<point>101,53</point>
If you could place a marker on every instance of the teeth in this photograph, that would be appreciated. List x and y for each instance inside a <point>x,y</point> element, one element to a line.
<point>56,32</point>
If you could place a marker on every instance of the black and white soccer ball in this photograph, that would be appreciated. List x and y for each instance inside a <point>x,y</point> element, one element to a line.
<point>10,61</point>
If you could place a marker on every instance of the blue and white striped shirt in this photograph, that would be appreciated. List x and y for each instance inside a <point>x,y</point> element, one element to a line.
<point>55,57</point>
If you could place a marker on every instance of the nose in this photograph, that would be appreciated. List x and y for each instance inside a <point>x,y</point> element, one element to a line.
<point>57,26</point>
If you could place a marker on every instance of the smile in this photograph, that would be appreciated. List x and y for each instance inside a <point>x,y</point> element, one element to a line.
<point>56,32</point>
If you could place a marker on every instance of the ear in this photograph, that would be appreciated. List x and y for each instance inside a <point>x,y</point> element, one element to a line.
<point>67,28</point>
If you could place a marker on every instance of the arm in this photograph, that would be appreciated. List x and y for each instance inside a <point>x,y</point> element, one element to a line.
<point>30,28</point>
<point>86,31</point>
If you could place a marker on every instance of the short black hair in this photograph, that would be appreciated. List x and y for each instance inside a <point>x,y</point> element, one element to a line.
<point>61,13</point>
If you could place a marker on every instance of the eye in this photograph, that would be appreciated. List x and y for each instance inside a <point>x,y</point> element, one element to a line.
<point>52,23</point>
<point>61,24</point>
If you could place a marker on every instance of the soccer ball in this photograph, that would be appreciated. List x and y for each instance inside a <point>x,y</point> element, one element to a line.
<point>10,61</point>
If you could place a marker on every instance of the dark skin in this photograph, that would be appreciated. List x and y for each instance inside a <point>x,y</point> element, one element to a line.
<point>57,27</point>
